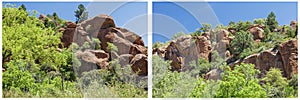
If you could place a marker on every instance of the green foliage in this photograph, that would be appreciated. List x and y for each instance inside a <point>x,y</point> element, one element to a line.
<point>290,32</point>
<point>243,40</point>
<point>179,34</point>
<point>260,21</point>
<point>118,82</point>
<point>111,47</point>
<point>157,45</point>
<point>81,14</point>
<point>205,27</point>
<point>22,7</point>
<point>272,22</point>
<point>240,26</point>
<point>197,32</point>
<point>32,52</point>
<point>240,82</point>
<point>170,84</point>
<point>203,66</point>
<point>276,85</point>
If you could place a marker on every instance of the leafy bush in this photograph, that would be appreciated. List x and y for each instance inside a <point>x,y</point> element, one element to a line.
<point>170,84</point>
<point>31,50</point>
<point>240,82</point>
<point>118,82</point>
<point>277,86</point>
<point>243,40</point>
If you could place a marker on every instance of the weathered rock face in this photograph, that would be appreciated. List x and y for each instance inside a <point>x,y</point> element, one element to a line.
<point>93,25</point>
<point>257,32</point>
<point>289,56</point>
<point>285,59</point>
<point>71,25</point>
<point>103,28</point>
<point>173,54</point>
<point>293,24</point>
<point>222,43</point>
<point>222,34</point>
<point>68,34</point>
<point>92,59</point>
<point>185,49</point>
<point>159,51</point>
<point>139,64</point>
<point>125,59</point>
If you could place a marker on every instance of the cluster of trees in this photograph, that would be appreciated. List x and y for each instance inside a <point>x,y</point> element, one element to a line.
<point>34,67</point>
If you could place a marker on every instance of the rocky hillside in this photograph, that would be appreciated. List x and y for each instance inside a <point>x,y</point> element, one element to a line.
<point>189,47</point>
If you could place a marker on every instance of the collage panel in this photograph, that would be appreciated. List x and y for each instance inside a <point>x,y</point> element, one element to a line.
<point>74,50</point>
<point>225,50</point>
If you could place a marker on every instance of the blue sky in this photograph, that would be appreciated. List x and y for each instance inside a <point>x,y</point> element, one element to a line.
<point>130,15</point>
<point>170,17</point>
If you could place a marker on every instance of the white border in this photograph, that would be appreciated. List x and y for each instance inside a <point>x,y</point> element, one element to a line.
<point>149,49</point>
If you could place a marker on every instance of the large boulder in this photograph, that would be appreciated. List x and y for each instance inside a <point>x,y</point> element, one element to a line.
<point>221,34</point>
<point>293,24</point>
<point>93,25</point>
<point>138,49</point>
<point>289,56</point>
<point>125,59</point>
<point>71,24</point>
<point>90,59</point>
<point>128,35</point>
<point>173,54</point>
<point>139,64</point>
<point>185,49</point>
<point>68,34</point>
<point>257,31</point>
<point>81,36</point>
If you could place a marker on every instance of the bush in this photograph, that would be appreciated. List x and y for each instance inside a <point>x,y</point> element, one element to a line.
<point>277,86</point>
<point>243,40</point>
<point>241,82</point>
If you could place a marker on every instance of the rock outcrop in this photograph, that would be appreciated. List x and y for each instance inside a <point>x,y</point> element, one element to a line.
<point>257,31</point>
<point>289,56</point>
<point>285,59</point>
<point>92,59</point>
<point>185,49</point>
<point>130,45</point>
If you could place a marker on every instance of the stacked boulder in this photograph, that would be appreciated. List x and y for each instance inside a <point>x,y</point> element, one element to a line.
<point>131,49</point>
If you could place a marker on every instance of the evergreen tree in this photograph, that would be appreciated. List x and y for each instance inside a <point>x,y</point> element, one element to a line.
<point>272,22</point>
<point>81,14</point>
<point>22,7</point>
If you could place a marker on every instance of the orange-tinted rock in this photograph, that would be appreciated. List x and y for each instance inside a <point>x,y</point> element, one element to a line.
<point>71,24</point>
<point>67,37</point>
<point>257,32</point>
<point>90,61</point>
<point>289,55</point>
<point>138,49</point>
<point>185,49</point>
<point>139,64</point>
<point>173,54</point>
